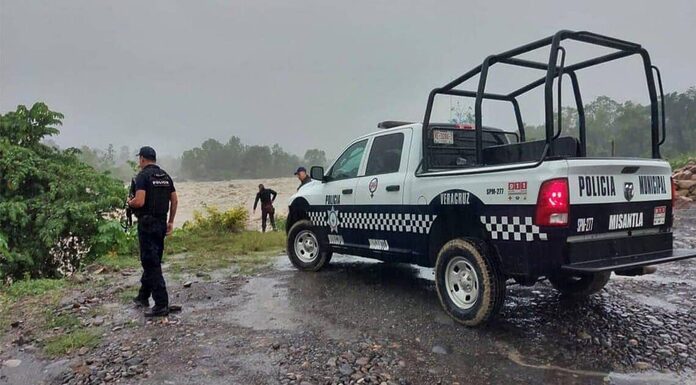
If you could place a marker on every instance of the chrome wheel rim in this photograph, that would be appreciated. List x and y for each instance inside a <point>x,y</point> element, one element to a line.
<point>306,246</point>
<point>461,282</point>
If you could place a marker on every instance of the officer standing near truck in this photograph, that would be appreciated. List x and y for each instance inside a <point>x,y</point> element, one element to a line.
<point>154,196</point>
<point>302,175</point>
<point>267,197</point>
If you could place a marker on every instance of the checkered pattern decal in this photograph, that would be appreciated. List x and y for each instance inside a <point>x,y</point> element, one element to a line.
<point>318,218</point>
<point>409,223</point>
<point>512,228</point>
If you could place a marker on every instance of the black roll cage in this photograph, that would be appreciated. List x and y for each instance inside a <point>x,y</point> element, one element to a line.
<point>554,70</point>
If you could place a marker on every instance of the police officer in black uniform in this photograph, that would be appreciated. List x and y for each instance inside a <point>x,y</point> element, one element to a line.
<point>302,175</point>
<point>153,196</point>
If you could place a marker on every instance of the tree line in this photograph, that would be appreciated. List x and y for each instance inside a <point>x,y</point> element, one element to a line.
<point>214,160</point>
<point>623,129</point>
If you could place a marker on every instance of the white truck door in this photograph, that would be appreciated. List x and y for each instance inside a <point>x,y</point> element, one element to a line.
<point>379,196</point>
<point>339,189</point>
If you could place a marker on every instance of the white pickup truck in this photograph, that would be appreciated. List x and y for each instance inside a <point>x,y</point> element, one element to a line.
<point>484,206</point>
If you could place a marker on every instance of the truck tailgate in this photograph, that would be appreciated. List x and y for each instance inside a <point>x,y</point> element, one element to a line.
<point>618,208</point>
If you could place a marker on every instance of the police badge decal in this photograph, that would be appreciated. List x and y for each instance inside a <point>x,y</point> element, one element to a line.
<point>333,219</point>
<point>628,191</point>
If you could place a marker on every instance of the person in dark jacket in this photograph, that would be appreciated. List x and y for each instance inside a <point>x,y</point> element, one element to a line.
<point>302,175</point>
<point>267,197</point>
<point>154,196</point>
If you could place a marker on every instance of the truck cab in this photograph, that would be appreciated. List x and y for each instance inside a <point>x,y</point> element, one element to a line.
<point>483,205</point>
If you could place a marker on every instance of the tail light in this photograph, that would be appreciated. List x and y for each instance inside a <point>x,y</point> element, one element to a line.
<point>553,203</point>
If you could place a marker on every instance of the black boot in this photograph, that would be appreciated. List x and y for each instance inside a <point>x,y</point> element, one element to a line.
<point>157,311</point>
<point>141,302</point>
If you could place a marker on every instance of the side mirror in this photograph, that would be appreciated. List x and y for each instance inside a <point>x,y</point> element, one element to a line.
<point>317,173</point>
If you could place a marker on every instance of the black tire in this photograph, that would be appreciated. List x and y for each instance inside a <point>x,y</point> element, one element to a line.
<point>579,286</point>
<point>300,257</point>
<point>490,289</point>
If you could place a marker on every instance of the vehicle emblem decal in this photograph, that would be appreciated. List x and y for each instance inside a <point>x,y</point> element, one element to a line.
<point>333,219</point>
<point>628,190</point>
<point>373,186</point>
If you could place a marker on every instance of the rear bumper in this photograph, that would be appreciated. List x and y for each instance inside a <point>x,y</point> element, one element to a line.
<point>630,261</point>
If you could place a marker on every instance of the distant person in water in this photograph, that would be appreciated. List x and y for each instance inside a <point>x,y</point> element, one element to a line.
<point>302,176</point>
<point>267,197</point>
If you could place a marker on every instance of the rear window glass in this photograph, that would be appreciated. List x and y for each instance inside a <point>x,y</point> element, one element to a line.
<point>456,148</point>
<point>385,155</point>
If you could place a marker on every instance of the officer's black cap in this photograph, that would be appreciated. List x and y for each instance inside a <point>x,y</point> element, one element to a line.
<point>147,152</point>
<point>300,169</point>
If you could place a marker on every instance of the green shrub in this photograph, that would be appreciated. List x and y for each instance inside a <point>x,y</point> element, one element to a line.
<point>111,239</point>
<point>281,223</point>
<point>53,207</point>
<point>232,220</point>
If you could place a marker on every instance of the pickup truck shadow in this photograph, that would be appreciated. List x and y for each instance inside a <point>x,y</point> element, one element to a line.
<point>604,333</point>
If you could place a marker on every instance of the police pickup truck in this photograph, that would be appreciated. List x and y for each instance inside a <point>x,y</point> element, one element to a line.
<point>484,206</point>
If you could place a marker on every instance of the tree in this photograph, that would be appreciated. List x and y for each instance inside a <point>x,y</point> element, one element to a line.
<point>315,157</point>
<point>53,207</point>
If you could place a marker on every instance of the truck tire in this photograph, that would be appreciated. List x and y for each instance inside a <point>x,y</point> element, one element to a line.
<point>469,284</point>
<point>579,286</point>
<point>306,250</point>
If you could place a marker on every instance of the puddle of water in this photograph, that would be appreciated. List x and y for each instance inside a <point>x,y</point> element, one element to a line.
<point>656,302</point>
<point>641,378</point>
<point>426,273</point>
<point>657,278</point>
<point>267,308</point>
<point>30,370</point>
<point>651,378</point>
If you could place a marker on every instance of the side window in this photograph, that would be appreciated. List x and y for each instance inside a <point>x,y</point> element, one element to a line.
<point>348,164</point>
<point>385,155</point>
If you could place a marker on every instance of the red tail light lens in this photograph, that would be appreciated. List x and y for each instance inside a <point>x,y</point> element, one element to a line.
<point>553,203</point>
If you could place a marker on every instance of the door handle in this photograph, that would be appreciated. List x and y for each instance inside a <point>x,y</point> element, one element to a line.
<point>394,187</point>
<point>347,191</point>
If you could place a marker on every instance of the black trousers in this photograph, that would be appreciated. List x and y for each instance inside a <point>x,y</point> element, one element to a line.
<point>267,211</point>
<point>151,233</point>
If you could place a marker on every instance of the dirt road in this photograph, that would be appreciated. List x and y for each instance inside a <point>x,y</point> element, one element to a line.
<point>363,322</point>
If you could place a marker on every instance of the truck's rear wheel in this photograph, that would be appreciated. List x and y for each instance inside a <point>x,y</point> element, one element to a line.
<point>579,286</point>
<point>305,248</point>
<point>469,284</point>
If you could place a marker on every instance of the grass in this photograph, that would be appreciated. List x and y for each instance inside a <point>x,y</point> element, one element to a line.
<point>31,287</point>
<point>126,296</point>
<point>63,321</point>
<point>27,300</point>
<point>222,242</point>
<point>211,250</point>
<point>33,301</point>
<point>66,343</point>
<point>118,261</point>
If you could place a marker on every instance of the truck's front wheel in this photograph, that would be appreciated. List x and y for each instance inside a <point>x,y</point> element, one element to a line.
<point>469,284</point>
<point>579,286</point>
<point>305,248</point>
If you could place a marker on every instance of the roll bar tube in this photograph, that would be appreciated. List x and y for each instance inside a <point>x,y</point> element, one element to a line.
<point>624,49</point>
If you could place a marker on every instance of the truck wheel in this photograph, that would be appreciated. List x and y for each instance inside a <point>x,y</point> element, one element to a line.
<point>305,249</point>
<point>469,284</point>
<point>579,286</point>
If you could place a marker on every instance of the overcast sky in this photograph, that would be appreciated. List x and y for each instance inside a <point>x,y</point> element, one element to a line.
<point>299,73</point>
